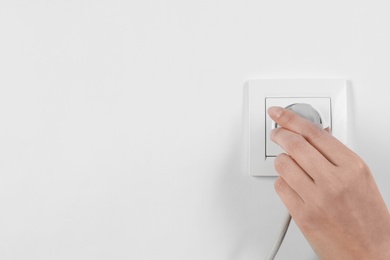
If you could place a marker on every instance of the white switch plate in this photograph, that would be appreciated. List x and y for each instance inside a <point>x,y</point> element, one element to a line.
<point>260,90</point>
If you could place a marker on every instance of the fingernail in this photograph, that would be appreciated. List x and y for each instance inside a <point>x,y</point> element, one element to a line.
<point>275,112</point>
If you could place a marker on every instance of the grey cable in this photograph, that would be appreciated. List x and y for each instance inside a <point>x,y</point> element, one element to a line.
<point>280,238</point>
<point>308,112</point>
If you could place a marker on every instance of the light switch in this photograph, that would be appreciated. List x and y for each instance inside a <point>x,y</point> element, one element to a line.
<point>327,96</point>
<point>320,105</point>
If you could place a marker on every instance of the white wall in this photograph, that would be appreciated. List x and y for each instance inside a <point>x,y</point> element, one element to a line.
<point>121,122</point>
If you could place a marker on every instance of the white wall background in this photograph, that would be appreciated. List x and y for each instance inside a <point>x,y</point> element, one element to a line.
<point>121,122</point>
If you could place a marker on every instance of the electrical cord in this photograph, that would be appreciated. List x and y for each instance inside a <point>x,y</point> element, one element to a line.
<point>279,240</point>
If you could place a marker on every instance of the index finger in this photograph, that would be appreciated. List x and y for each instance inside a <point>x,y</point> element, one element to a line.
<point>331,148</point>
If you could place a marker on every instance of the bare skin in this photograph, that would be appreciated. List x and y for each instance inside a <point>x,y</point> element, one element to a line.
<point>329,192</point>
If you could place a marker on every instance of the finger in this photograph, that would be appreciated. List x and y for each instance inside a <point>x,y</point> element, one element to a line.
<point>289,197</point>
<point>293,174</point>
<point>335,151</point>
<point>307,157</point>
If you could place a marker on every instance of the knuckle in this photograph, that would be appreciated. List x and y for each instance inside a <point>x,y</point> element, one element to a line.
<point>286,118</point>
<point>296,143</point>
<point>313,132</point>
<point>275,133</point>
<point>361,166</point>
<point>356,168</point>
<point>278,184</point>
<point>281,163</point>
<point>343,185</point>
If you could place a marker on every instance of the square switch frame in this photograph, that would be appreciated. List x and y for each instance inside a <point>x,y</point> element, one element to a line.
<point>259,89</point>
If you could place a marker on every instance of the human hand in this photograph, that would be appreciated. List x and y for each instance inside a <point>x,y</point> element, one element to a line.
<point>329,191</point>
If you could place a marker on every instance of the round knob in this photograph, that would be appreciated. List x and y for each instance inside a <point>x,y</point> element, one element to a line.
<point>305,111</point>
